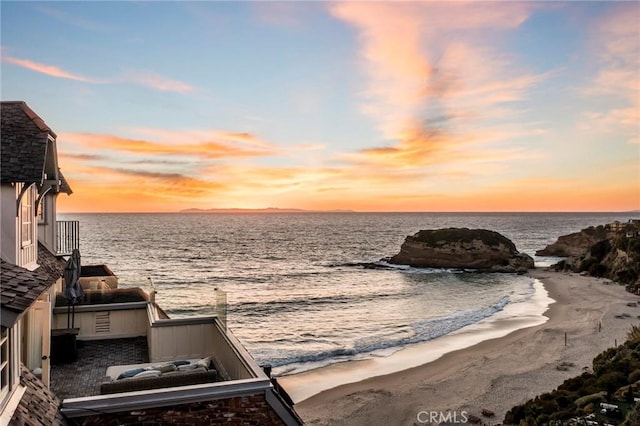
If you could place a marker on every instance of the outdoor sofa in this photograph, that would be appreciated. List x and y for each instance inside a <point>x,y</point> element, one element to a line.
<point>129,378</point>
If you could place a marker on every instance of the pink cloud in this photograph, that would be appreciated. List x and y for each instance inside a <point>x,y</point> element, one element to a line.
<point>416,53</point>
<point>158,82</point>
<point>616,45</point>
<point>147,79</point>
<point>436,77</point>
<point>182,146</point>
<point>50,70</point>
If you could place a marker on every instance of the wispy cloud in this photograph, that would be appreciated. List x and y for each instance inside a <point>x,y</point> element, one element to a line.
<point>616,44</point>
<point>158,82</point>
<point>68,18</point>
<point>242,139</point>
<point>433,83</point>
<point>142,78</point>
<point>50,70</point>
<point>182,146</point>
<point>79,156</point>
<point>136,190</point>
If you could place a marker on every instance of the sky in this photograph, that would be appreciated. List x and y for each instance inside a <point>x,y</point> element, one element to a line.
<point>366,106</point>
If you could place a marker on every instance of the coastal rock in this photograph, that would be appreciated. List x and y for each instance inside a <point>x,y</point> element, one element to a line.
<point>575,244</point>
<point>462,248</point>
<point>614,255</point>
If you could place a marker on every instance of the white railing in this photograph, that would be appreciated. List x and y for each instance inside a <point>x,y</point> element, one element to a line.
<point>67,236</point>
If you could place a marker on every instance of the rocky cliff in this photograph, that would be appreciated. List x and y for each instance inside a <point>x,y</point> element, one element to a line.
<point>462,248</point>
<point>577,243</point>
<point>601,253</point>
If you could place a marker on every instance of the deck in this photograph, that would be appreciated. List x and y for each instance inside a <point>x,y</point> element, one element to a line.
<point>84,376</point>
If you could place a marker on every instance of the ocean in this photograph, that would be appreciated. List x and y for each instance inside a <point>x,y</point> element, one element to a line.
<point>297,297</point>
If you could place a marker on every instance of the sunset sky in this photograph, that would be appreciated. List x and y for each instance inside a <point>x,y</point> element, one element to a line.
<point>368,106</point>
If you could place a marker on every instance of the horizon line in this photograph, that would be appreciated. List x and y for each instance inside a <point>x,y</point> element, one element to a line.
<point>347,211</point>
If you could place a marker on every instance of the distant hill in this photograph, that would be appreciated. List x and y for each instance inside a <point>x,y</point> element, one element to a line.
<point>267,210</point>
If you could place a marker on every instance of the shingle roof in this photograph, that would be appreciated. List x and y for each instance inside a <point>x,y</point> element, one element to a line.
<point>24,138</point>
<point>19,288</point>
<point>38,406</point>
<point>23,151</point>
<point>49,263</point>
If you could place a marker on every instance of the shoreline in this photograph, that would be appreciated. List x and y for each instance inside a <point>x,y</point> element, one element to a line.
<point>494,374</point>
<point>306,384</point>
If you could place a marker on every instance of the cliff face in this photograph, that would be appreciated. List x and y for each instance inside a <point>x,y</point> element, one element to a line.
<point>462,248</point>
<point>577,243</point>
<point>601,253</point>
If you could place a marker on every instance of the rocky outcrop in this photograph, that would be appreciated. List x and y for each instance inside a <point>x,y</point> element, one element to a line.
<point>462,248</point>
<point>612,255</point>
<point>577,243</point>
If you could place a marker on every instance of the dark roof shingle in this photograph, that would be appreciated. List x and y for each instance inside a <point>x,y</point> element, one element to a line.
<point>49,263</point>
<point>19,288</point>
<point>38,406</point>
<point>23,151</point>
<point>24,138</point>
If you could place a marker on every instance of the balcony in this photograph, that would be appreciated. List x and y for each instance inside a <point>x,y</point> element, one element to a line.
<point>67,237</point>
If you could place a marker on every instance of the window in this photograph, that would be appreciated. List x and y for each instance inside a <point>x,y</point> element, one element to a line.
<point>26,218</point>
<point>41,210</point>
<point>4,364</point>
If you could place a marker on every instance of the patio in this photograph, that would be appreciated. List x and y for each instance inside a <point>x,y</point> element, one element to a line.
<point>84,376</point>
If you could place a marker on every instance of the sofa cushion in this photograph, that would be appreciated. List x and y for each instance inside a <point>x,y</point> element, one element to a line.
<point>147,373</point>
<point>131,373</point>
<point>165,368</point>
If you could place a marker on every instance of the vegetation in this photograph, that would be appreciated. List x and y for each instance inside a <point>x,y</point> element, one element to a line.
<point>617,258</point>
<point>615,380</point>
<point>438,237</point>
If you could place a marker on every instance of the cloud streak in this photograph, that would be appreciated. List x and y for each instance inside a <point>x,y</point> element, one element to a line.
<point>147,79</point>
<point>72,19</point>
<point>50,70</point>
<point>182,146</point>
<point>157,82</point>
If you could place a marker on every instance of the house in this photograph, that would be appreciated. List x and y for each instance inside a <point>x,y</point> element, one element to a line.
<point>615,226</point>
<point>30,249</point>
<point>131,363</point>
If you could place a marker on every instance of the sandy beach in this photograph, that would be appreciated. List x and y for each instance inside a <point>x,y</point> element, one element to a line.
<point>494,374</point>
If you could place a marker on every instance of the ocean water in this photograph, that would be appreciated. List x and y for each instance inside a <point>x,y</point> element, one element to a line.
<point>296,297</point>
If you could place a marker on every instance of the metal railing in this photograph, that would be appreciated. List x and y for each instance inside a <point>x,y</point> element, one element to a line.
<point>67,236</point>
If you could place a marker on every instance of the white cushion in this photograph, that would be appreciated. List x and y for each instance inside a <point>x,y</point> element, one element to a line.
<point>148,373</point>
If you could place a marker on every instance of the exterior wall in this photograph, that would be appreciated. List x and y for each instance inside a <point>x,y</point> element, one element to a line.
<point>226,353</point>
<point>8,223</point>
<point>47,226</point>
<point>106,324</point>
<point>180,341</point>
<point>242,410</point>
<point>195,338</point>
